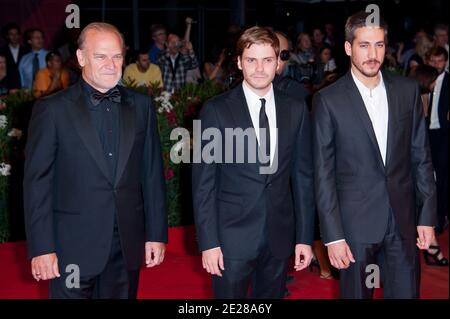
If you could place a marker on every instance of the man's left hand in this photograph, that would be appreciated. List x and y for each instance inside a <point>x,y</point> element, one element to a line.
<point>303,256</point>
<point>154,253</point>
<point>426,235</point>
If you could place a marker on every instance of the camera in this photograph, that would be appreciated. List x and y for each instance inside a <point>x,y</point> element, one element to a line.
<point>285,55</point>
<point>180,45</point>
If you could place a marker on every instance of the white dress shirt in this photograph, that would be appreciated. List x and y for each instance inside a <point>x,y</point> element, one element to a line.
<point>376,103</point>
<point>14,52</point>
<point>434,116</point>
<point>254,106</point>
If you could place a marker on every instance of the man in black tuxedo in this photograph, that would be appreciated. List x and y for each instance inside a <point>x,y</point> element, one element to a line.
<point>373,173</point>
<point>439,132</point>
<point>247,221</point>
<point>94,187</point>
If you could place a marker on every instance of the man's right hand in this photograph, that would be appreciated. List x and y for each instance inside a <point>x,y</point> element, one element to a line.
<point>45,267</point>
<point>340,255</point>
<point>212,260</point>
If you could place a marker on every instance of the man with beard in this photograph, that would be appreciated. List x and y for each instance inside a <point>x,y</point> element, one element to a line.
<point>374,180</point>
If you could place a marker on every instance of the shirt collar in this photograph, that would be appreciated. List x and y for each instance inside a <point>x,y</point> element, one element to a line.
<point>173,57</point>
<point>440,78</point>
<point>253,98</point>
<point>38,51</point>
<point>364,89</point>
<point>88,90</point>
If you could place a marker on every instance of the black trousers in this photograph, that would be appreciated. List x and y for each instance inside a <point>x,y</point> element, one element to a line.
<point>397,260</point>
<point>114,282</point>
<point>439,140</point>
<point>263,277</point>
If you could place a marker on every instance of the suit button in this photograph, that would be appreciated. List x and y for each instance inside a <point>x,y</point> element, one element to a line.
<point>269,185</point>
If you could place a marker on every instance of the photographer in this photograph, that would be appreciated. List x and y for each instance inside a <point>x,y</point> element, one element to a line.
<point>174,64</point>
<point>214,70</point>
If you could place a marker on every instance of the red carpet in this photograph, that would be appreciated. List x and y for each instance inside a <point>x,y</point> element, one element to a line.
<point>181,275</point>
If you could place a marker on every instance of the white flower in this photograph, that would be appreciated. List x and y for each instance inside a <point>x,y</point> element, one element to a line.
<point>4,169</point>
<point>15,133</point>
<point>164,99</point>
<point>3,121</point>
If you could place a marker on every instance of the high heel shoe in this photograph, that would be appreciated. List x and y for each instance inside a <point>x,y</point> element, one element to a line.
<point>432,258</point>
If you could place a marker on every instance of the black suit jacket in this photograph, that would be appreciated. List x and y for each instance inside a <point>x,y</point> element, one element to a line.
<point>11,66</point>
<point>443,105</point>
<point>354,189</point>
<point>69,194</point>
<point>231,201</point>
<point>10,63</point>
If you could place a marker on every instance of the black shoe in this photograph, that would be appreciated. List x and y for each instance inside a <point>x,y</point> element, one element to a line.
<point>286,293</point>
<point>335,273</point>
<point>432,259</point>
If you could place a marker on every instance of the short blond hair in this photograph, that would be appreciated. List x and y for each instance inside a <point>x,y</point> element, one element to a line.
<point>100,27</point>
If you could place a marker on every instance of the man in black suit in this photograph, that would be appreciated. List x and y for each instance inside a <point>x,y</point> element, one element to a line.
<point>248,221</point>
<point>94,187</point>
<point>373,173</point>
<point>13,51</point>
<point>439,132</point>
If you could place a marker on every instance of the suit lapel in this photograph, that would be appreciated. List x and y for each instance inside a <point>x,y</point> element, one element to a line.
<point>82,121</point>
<point>393,110</point>
<point>283,127</point>
<point>127,132</point>
<point>237,105</point>
<point>357,103</point>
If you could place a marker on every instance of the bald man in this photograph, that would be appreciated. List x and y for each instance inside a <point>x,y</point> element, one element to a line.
<point>94,187</point>
<point>284,82</point>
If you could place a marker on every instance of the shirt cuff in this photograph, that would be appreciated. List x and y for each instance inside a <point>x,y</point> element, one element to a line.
<point>334,242</point>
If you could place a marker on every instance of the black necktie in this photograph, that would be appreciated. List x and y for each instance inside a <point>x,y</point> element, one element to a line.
<point>264,126</point>
<point>35,64</point>
<point>112,95</point>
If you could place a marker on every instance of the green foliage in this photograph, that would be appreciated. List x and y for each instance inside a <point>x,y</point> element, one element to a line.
<point>176,110</point>
<point>8,106</point>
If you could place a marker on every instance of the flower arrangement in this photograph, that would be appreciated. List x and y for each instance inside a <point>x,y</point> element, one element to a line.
<point>9,105</point>
<point>176,110</point>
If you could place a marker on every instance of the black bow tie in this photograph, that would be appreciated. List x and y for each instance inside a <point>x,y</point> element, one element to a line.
<point>112,95</point>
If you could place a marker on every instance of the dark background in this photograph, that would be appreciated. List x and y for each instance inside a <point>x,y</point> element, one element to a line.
<point>213,17</point>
